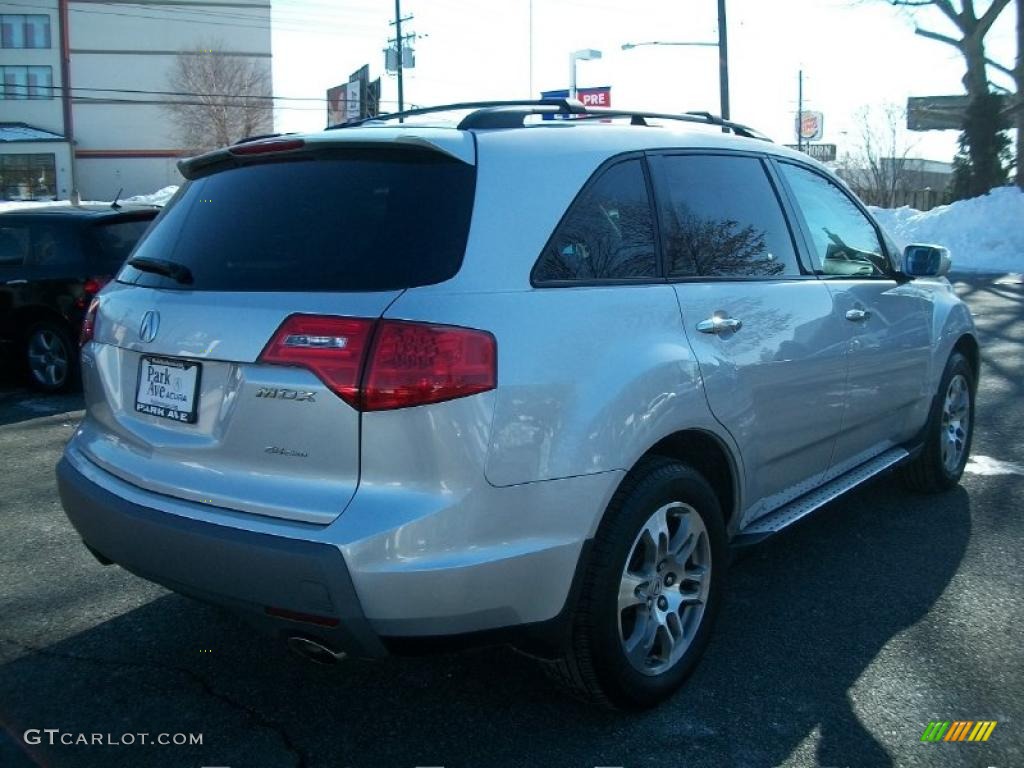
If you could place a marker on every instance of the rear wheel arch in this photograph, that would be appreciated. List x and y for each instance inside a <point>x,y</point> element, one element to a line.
<point>707,454</point>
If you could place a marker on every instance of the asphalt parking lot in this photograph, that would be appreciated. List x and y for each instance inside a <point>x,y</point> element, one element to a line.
<point>841,639</point>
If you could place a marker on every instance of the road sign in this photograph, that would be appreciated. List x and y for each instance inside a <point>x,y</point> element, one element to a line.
<point>810,126</point>
<point>936,113</point>
<point>354,99</point>
<point>823,153</point>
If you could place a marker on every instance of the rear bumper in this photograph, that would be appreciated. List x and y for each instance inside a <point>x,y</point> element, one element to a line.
<point>246,571</point>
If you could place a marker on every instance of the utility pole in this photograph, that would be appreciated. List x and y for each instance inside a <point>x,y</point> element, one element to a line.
<point>723,60</point>
<point>800,112</point>
<point>400,54</point>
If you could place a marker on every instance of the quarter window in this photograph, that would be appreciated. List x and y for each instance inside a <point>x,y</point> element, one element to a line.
<point>721,218</point>
<point>608,233</point>
<point>13,245</point>
<point>844,240</point>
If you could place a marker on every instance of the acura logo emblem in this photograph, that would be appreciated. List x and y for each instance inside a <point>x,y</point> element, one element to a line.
<point>149,326</point>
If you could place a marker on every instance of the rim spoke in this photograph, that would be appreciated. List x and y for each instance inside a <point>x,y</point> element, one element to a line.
<point>639,645</point>
<point>628,588</point>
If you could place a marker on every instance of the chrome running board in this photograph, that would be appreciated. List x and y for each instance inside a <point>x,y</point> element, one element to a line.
<point>799,508</point>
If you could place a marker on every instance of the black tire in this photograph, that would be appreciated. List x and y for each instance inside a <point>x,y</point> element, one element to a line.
<point>595,666</point>
<point>927,472</point>
<point>63,346</point>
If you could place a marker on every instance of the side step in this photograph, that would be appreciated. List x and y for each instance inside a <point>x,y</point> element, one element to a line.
<point>799,508</point>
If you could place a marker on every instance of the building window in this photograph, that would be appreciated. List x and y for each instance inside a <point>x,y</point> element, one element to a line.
<point>28,177</point>
<point>24,31</point>
<point>26,82</point>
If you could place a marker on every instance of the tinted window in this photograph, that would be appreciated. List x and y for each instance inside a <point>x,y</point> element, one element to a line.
<point>13,244</point>
<point>721,218</point>
<point>844,240</point>
<point>54,245</point>
<point>363,220</point>
<point>608,233</point>
<point>114,241</point>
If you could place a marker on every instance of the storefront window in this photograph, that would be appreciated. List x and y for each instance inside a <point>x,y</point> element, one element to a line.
<point>28,177</point>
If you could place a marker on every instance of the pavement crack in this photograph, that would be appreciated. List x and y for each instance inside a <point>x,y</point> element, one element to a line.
<point>252,713</point>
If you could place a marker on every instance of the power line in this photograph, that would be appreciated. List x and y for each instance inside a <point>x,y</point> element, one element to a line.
<point>168,93</point>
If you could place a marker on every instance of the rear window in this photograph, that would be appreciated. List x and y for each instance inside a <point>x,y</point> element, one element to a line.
<point>114,240</point>
<point>364,220</point>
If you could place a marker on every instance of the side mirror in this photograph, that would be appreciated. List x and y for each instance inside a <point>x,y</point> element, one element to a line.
<point>926,261</point>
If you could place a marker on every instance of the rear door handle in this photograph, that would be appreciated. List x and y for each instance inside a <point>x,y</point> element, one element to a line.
<point>719,323</point>
<point>16,282</point>
<point>857,315</point>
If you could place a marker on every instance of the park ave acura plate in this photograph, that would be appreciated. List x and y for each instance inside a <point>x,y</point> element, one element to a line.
<point>168,388</point>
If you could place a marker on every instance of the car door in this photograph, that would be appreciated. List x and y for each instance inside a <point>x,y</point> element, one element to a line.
<point>887,319</point>
<point>771,352</point>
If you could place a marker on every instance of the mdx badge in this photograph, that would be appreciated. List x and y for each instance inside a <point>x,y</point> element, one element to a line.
<point>277,393</point>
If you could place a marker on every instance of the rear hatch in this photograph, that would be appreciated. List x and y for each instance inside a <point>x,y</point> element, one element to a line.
<point>256,248</point>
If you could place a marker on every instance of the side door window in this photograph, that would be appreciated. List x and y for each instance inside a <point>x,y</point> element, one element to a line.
<point>720,217</point>
<point>607,234</point>
<point>844,241</point>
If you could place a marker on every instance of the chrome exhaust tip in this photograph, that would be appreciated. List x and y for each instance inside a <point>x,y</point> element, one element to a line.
<point>314,651</point>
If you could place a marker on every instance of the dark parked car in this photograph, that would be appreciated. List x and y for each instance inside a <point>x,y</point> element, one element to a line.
<point>53,260</point>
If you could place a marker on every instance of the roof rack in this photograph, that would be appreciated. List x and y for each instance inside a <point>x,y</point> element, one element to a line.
<point>513,114</point>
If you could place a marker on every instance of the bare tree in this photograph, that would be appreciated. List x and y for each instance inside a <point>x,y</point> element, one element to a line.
<point>219,99</point>
<point>972,29</point>
<point>879,169</point>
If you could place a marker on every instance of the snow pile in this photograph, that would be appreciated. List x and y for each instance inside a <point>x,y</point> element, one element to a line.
<point>159,198</point>
<point>983,234</point>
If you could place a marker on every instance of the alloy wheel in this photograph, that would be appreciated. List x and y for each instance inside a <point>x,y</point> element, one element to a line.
<point>664,588</point>
<point>48,358</point>
<point>956,422</point>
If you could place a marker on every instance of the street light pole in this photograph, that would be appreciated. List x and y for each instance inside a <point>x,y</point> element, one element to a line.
<point>587,54</point>
<point>723,60</point>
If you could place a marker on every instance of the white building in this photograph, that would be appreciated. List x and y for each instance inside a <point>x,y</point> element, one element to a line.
<point>104,97</point>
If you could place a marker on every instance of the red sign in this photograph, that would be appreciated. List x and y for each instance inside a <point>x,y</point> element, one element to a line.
<point>595,97</point>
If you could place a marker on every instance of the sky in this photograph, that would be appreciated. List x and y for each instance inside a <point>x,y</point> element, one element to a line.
<point>854,54</point>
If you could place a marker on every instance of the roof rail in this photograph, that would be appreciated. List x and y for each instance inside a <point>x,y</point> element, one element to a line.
<point>513,114</point>
<point>553,106</point>
<point>705,118</point>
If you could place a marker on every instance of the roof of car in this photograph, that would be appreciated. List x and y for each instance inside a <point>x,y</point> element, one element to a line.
<point>95,211</point>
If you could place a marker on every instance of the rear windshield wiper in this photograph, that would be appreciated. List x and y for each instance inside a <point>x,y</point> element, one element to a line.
<point>171,269</point>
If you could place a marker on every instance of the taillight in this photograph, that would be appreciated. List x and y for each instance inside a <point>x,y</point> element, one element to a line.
<point>89,323</point>
<point>416,364</point>
<point>409,363</point>
<point>331,347</point>
<point>90,288</point>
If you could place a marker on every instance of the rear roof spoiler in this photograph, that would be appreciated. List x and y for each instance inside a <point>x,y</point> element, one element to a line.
<point>458,145</point>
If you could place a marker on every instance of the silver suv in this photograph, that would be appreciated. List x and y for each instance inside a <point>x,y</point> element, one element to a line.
<point>511,379</point>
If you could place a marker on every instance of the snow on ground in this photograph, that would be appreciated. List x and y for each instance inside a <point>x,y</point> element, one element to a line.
<point>983,234</point>
<point>160,198</point>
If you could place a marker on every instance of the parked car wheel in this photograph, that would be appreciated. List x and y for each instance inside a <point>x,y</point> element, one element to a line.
<point>651,591</point>
<point>51,356</point>
<point>947,445</point>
